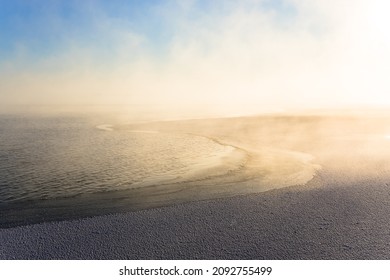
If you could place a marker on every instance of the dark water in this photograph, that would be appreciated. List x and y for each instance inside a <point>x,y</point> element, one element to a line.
<point>59,167</point>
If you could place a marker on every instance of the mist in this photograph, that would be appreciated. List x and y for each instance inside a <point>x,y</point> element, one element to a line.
<point>222,59</point>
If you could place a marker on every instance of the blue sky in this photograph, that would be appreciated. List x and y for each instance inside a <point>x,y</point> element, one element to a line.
<point>249,55</point>
<point>46,27</point>
<point>42,28</point>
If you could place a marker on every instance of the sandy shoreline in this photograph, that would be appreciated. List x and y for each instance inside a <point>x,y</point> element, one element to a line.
<point>342,213</point>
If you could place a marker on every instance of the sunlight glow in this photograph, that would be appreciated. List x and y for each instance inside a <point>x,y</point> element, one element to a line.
<point>199,60</point>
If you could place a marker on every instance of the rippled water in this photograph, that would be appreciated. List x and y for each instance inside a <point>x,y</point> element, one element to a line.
<point>46,157</point>
<point>58,168</point>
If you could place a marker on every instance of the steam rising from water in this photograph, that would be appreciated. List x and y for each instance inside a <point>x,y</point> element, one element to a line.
<point>49,158</point>
<point>151,164</point>
<point>46,158</point>
<point>222,59</point>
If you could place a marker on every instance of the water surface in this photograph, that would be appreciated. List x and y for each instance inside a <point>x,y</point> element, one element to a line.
<point>65,167</point>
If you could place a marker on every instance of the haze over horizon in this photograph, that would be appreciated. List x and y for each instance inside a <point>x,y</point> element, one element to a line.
<point>195,57</point>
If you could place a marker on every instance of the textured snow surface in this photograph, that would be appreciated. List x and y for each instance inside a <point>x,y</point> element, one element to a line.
<point>318,222</point>
<point>343,213</point>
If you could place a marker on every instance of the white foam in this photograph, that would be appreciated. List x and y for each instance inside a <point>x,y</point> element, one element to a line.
<point>106,127</point>
<point>143,131</point>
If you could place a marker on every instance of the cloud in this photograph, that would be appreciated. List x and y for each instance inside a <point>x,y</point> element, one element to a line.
<point>234,57</point>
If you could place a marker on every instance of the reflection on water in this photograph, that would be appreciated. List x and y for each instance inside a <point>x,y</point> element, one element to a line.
<point>57,168</point>
<point>47,158</point>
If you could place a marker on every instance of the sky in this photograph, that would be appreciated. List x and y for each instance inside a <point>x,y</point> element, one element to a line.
<point>195,56</point>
